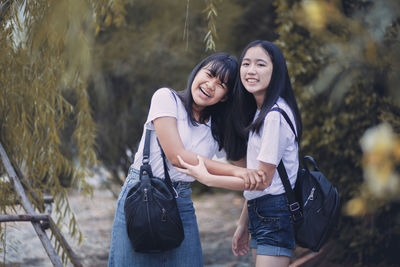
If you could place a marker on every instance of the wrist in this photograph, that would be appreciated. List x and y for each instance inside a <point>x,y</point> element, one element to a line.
<point>242,223</point>
<point>237,171</point>
<point>206,179</point>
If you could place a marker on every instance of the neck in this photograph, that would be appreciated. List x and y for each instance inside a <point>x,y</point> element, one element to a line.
<point>259,100</point>
<point>196,112</point>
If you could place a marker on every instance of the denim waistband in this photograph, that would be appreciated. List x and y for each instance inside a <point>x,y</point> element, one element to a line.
<point>264,197</point>
<point>134,174</point>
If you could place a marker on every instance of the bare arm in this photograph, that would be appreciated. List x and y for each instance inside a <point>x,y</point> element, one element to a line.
<point>168,135</point>
<point>201,174</point>
<point>240,239</point>
<point>269,170</point>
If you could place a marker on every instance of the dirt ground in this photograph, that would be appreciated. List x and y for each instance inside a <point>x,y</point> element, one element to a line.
<point>216,214</point>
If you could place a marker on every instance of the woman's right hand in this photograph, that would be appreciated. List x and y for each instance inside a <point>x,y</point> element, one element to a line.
<point>240,241</point>
<point>253,179</point>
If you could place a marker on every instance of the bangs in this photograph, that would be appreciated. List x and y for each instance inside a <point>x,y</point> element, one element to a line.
<point>220,70</point>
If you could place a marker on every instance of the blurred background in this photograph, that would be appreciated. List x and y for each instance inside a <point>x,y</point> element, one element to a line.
<point>76,78</point>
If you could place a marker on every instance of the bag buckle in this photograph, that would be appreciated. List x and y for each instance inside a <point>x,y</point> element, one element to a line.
<point>294,206</point>
<point>145,160</point>
<point>296,212</point>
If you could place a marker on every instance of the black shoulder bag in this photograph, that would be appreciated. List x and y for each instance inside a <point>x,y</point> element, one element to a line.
<point>152,218</point>
<point>314,203</point>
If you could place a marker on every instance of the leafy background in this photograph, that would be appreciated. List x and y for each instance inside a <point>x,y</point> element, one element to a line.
<point>76,79</point>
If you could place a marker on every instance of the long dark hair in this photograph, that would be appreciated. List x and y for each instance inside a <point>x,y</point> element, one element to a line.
<point>225,68</point>
<point>279,86</point>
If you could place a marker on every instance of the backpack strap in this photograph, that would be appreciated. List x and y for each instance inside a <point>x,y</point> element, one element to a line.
<point>294,205</point>
<point>285,115</point>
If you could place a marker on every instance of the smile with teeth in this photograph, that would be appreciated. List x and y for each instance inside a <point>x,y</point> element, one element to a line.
<point>204,92</point>
<point>251,80</point>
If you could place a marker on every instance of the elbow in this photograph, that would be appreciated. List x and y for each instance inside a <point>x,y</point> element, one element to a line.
<point>173,158</point>
<point>174,161</point>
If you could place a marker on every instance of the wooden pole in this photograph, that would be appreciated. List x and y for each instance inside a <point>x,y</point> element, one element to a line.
<point>71,254</point>
<point>27,186</point>
<point>55,259</point>
<point>24,217</point>
<point>46,200</point>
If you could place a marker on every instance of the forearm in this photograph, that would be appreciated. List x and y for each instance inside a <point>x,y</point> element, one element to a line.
<point>213,166</point>
<point>221,181</point>
<point>244,217</point>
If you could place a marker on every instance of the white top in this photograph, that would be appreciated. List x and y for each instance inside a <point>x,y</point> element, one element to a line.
<point>197,139</point>
<point>276,141</point>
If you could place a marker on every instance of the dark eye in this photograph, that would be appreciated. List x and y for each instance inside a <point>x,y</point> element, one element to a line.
<point>261,64</point>
<point>245,64</point>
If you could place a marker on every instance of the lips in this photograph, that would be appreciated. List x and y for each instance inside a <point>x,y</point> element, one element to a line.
<point>204,92</point>
<point>251,80</point>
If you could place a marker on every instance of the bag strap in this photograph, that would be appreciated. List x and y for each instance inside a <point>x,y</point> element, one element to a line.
<point>294,205</point>
<point>146,156</point>
<point>285,115</point>
<point>146,148</point>
<point>166,173</point>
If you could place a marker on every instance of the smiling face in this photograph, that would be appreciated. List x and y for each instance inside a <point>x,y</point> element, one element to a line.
<point>255,72</point>
<point>207,89</point>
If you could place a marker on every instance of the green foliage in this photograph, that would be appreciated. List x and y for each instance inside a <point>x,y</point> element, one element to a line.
<point>342,62</point>
<point>46,124</point>
<point>211,34</point>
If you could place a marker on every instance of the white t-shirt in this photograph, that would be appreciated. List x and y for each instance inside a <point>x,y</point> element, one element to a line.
<point>276,141</point>
<point>197,139</point>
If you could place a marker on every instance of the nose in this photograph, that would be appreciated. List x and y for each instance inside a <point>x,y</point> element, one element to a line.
<point>213,83</point>
<point>251,69</point>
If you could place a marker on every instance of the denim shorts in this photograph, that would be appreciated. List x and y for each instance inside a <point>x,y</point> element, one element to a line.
<point>188,253</point>
<point>270,226</point>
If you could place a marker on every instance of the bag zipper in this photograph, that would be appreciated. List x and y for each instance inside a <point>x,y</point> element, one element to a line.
<point>165,214</point>
<point>310,197</point>
<point>145,199</point>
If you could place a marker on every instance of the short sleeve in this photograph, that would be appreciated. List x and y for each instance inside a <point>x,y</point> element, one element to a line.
<point>163,104</point>
<point>274,139</point>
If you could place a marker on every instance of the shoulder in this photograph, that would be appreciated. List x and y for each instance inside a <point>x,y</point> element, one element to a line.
<point>164,94</point>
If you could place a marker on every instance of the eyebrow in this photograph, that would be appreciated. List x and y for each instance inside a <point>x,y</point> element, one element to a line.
<point>258,59</point>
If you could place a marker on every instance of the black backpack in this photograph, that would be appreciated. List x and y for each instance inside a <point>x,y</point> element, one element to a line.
<point>314,203</point>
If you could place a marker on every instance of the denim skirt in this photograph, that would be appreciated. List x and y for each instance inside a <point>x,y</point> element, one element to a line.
<point>188,253</point>
<point>270,226</point>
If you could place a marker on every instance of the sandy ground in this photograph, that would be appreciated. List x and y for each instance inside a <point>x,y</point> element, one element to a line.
<point>216,214</point>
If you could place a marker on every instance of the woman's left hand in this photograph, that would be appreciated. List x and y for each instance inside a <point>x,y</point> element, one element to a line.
<point>198,171</point>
